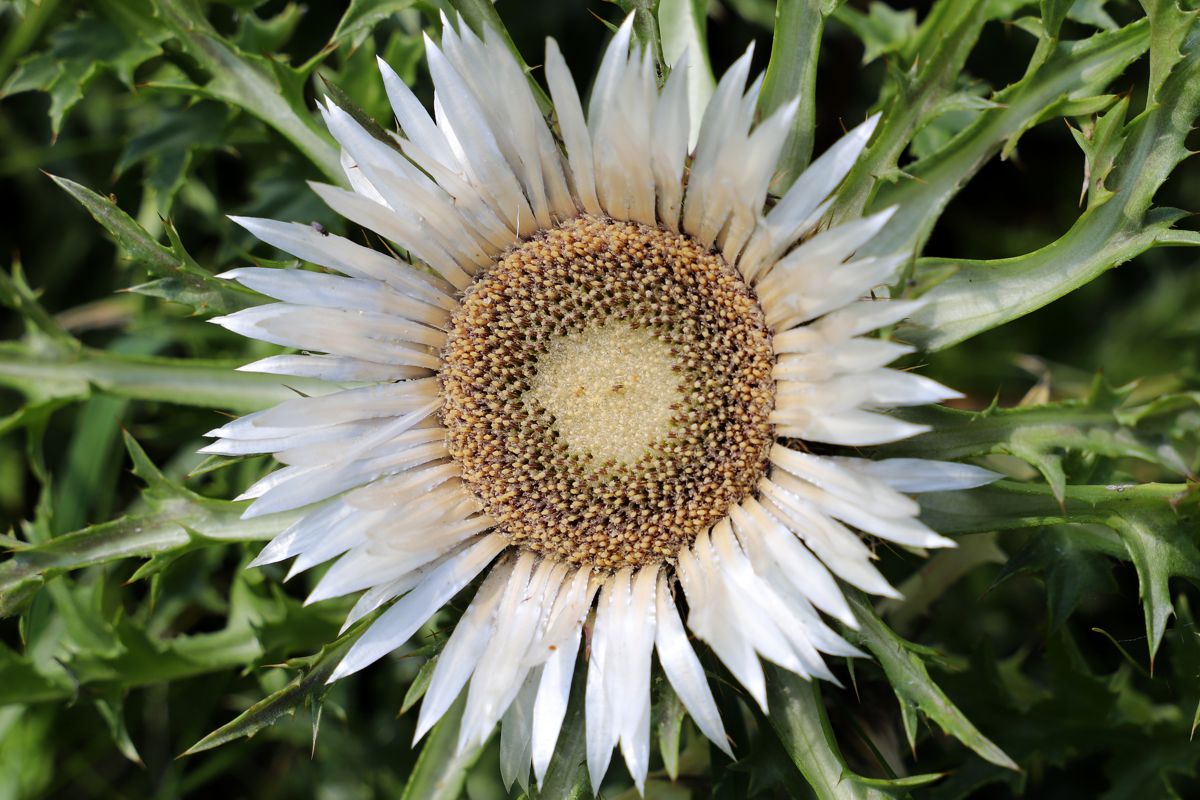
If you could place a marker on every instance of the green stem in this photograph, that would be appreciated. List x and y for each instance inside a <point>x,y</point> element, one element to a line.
<point>1009,505</point>
<point>792,74</point>
<point>70,374</point>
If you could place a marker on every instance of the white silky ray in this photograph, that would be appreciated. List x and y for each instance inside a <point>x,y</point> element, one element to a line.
<point>846,357</point>
<point>368,564</point>
<point>486,165</point>
<point>670,145</point>
<point>400,185</point>
<point>336,369</point>
<point>325,249</point>
<point>550,706</point>
<point>302,534</point>
<point>600,712</point>
<point>751,178</point>
<point>303,326</point>
<point>906,530</point>
<point>775,630</point>
<point>852,427</point>
<point>768,539</point>
<point>633,677</point>
<point>921,475</point>
<point>542,168</point>
<point>404,437</point>
<point>462,652</point>
<point>413,118</point>
<point>709,618</point>
<point>570,608</point>
<point>684,671</point>
<point>397,225</point>
<point>840,549</point>
<point>382,593</point>
<point>299,437</point>
<point>517,617</point>
<point>793,215</point>
<point>332,291</point>
<point>704,213</point>
<point>820,293</point>
<point>622,192</point>
<point>302,485</point>
<point>326,541</point>
<point>398,623</point>
<point>575,133</point>
<point>354,172</point>
<point>840,482</point>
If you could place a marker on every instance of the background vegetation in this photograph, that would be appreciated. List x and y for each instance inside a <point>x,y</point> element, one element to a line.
<point>132,631</point>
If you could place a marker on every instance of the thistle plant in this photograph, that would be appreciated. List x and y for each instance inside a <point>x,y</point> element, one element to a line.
<point>654,398</point>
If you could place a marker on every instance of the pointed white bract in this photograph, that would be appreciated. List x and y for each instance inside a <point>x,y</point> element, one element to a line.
<point>454,189</point>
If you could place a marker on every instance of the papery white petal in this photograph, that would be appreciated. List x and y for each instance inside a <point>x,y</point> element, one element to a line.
<point>461,654</point>
<point>399,225</point>
<point>550,707</point>
<point>332,291</point>
<point>709,198</point>
<point>369,564</point>
<point>383,593</point>
<point>811,262</point>
<point>803,569</point>
<point>849,485</point>
<point>477,145</point>
<point>683,670</point>
<point>334,368</point>
<point>852,427</point>
<point>402,186</point>
<point>304,484</point>
<point>368,402</point>
<point>601,714</point>
<point>396,625</point>
<point>902,530</point>
<point>633,690</point>
<point>318,247</point>
<point>413,118</point>
<point>574,129</point>
<point>518,617</point>
<point>922,475</point>
<point>814,295</point>
<point>670,145</point>
<point>840,549</point>
<point>709,618</point>
<point>794,214</point>
<point>777,631</point>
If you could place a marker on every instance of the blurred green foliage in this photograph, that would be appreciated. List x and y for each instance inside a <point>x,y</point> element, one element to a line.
<point>1050,133</point>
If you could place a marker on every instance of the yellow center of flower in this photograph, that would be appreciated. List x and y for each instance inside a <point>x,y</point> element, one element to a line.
<point>611,389</point>
<point>606,387</point>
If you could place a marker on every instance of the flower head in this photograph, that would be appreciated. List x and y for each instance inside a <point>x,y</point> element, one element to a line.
<point>596,377</point>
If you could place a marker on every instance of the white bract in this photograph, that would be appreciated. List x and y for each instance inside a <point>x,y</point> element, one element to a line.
<point>389,502</point>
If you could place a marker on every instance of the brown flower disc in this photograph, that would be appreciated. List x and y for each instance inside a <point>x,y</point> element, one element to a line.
<point>606,391</point>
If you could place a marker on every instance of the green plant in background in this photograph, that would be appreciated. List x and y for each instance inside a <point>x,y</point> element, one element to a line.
<point>133,628</point>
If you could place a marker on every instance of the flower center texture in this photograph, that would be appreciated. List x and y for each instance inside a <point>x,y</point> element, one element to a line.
<point>606,392</point>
